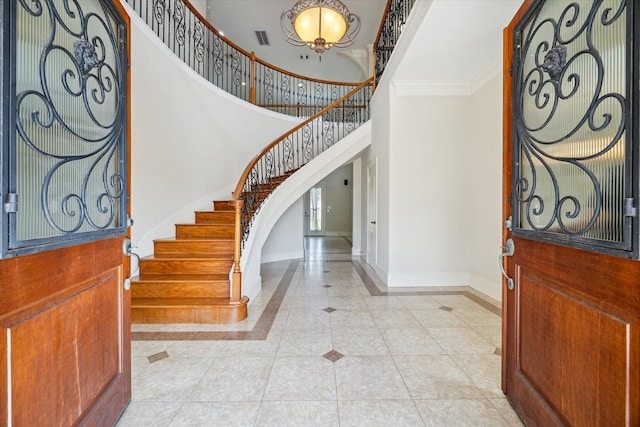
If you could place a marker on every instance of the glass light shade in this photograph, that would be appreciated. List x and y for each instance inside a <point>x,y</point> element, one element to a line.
<point>320,22</point>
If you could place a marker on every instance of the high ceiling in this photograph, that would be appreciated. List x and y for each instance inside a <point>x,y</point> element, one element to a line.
<point>457,41</point>
<point>238,19</point>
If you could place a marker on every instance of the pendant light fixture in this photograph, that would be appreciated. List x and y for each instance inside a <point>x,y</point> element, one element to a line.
<point>320,24</point>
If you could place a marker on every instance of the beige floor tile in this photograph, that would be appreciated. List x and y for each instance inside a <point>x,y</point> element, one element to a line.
<point>298,414</point>
<point>412,359</point>
<point>171,379</point>
<point>359,342</point>
<point>506,410</point>
<point>477,316</point>
<point>346,318</point>
<point>301,378</point>
<point>241,378</point>
<point>300,319</point>
<point>142,413</point>
<point>460,413</point>
<point>461,341</point>
<point>377,413</point>
<point>435,377</point>
<point>410,341</point>
<point>492,333</point>
<point>309,342</point>
<point>393,319</point>
<point>207,414</point>
<point>484,370</point>
<point>348,303</point>
<point>437,318</point>
<point>369,378</point>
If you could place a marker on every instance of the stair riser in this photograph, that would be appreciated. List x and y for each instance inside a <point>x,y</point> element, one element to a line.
<point>205,231</point>
<point>179,290</point>
<point>184,266</point>
<point>222,205</point>
<point>161,315</point>
<point>221,217</point>
<point>193,248</point>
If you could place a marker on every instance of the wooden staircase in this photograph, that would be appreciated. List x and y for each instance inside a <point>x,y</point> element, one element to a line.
<point>187,278</point>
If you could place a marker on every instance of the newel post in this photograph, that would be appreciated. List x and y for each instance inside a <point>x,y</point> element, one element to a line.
<point>236,279</point>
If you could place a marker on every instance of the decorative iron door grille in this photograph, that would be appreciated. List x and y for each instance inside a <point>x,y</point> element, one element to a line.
<point>64,165</point>
<point>573,166</point>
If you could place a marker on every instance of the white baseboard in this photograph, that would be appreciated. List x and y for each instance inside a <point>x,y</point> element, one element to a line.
<point>281,256</point>
<point>409,280</point>
<point>487,287</point>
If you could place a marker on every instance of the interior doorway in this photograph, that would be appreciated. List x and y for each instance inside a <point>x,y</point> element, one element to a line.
<point>314,208</point>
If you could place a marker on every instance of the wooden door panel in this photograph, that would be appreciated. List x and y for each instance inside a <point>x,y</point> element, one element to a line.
<point>575,353</point>
<point>67,349</point>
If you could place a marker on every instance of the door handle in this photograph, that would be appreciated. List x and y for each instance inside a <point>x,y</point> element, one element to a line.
<point>509,249</point>
<point>127,250</point>
<point>373,222</point>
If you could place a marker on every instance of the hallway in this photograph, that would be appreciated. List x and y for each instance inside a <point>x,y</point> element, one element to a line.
<point>326,344</point>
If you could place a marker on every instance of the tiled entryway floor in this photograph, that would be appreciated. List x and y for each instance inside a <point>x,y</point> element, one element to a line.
<point>326,344</point>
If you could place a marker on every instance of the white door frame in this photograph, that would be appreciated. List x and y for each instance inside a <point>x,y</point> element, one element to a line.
<point>372,212</point>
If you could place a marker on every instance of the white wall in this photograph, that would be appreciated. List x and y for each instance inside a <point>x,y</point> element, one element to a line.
<point>427,200</point>
<point>189,140</point>
<point>441,157</point>
<point>484,196</point>
<point>286,240</point>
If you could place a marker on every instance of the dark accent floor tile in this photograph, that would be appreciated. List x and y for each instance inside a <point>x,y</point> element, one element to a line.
<point>498,351</point>
<point>158,356</point>
<point>327,286</point>
<point>329,309</point>
<point>445,308</point>
<point>333,355</point>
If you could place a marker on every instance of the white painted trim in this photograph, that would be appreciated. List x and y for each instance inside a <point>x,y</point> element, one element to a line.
<point>490,72</point>
<point>487,287</point>
<point>432,88</point>
<point>409,280</point>
<point>337,234</point>
<point>282,256</point>
<point>448,87</point>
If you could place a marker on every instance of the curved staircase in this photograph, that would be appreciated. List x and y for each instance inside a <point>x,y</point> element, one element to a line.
<point>187,278</point>
<point>196,277</point>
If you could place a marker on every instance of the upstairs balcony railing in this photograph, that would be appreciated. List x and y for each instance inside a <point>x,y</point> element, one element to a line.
<point>194,40</point>
<point>393,22</point>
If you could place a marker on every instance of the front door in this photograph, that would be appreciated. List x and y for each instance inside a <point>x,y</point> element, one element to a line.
<point>64,311</point>
<point>572,311</point>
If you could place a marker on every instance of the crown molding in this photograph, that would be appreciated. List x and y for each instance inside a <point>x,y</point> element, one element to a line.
<point>449,87</point>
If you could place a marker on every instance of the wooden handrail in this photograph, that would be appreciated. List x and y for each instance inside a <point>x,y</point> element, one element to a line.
<point>238,190</point>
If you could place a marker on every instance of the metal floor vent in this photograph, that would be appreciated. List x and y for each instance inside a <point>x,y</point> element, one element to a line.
<point>263,40</point>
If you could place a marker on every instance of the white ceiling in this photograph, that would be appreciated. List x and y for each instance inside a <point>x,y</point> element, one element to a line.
<point>457,41</point>
<point>238,19</point>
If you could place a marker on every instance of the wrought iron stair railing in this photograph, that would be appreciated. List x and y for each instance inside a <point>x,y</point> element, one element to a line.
<point>239,72</point>
<point>395,17</point>
<point>289,153</point>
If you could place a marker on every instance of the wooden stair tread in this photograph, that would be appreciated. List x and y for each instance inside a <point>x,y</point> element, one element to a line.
<point>182,278</point>
<point>193,239</point>
<point>186,257</point>
<point>181,302</point>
